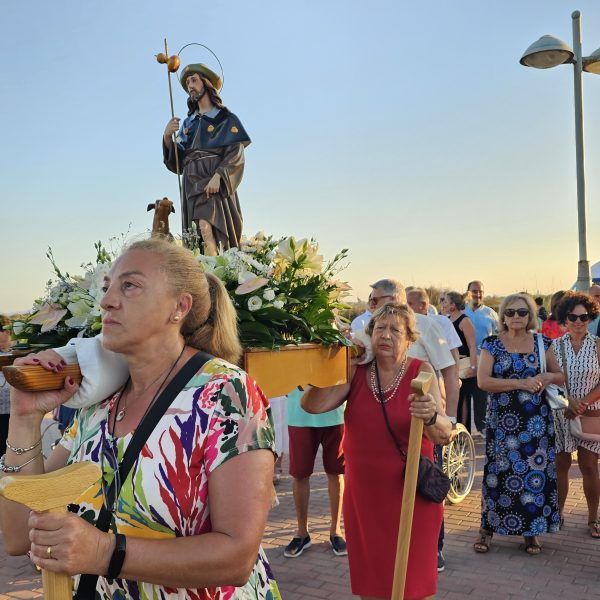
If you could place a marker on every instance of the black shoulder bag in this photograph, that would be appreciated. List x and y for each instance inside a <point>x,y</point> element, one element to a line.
<point>432,483</point>
<point>86,590</point>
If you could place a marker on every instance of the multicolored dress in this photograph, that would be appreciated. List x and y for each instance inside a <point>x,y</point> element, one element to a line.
<point>519,489</point>
<point>220,414</point>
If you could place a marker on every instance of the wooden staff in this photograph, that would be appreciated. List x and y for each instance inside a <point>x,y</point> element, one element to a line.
<point>52,492</point>
<point>420,385</point>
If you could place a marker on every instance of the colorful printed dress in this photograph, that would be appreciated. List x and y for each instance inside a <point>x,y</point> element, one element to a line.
<point>519,490</point>
<point>220,413</point>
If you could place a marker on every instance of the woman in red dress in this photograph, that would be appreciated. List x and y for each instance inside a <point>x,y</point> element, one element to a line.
<point>375,468</point>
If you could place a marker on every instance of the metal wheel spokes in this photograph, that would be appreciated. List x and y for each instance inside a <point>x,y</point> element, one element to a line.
<point>459,465</point>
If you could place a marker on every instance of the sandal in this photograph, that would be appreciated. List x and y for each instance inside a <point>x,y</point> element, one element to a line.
<point>482,545</point>
<point>532,546</point>
<point>594,529</point>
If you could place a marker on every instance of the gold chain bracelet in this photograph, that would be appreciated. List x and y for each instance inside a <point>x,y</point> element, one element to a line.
<point>18,451</point>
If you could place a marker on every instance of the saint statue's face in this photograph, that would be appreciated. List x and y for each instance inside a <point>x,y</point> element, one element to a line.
<point>195,87</point>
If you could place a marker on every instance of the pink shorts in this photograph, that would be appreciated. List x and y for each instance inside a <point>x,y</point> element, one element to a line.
<point>304,444</point>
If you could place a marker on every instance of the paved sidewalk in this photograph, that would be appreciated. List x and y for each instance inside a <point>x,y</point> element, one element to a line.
<point>567,569</point>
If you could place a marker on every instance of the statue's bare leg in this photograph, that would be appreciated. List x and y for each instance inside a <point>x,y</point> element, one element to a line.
<point>210,245</point>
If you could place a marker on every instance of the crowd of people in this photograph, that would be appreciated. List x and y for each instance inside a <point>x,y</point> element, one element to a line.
<point>201,508</point>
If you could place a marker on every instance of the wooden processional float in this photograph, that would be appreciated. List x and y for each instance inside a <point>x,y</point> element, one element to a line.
<point>277,372</point>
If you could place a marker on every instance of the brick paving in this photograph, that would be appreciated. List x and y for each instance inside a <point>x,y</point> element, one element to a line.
<point>567,569</point>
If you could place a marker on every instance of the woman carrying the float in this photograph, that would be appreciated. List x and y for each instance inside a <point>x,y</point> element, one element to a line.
<point>188,520</point>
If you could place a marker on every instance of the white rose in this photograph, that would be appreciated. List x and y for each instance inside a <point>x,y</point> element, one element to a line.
<point>269,295</point>
<point>278,304</point>
<point>254,303</point>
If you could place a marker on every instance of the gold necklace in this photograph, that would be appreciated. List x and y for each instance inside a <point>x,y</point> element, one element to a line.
<point>121,413</point>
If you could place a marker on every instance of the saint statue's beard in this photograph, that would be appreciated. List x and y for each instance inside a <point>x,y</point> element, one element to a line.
<point>197,96</point>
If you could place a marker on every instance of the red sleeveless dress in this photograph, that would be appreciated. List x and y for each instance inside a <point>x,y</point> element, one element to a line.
<point>373,494</point>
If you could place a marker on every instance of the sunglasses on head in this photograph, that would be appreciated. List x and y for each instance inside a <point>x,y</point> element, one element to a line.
<point>511,312</point>
<point>584,318</point>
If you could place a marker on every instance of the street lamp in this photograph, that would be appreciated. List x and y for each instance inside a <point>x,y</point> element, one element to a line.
<point>550,52</point>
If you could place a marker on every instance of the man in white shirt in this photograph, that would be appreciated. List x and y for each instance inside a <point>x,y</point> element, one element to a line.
<point>431,345</point>
<point>418,300</point>
<point>359,323</point>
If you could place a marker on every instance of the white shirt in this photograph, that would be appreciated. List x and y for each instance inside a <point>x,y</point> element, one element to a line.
<point>361,321</point>
<point>449,331</point>
<point>431,345</point>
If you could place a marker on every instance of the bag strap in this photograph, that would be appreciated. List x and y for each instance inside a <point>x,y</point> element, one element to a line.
<point>87,583</point>
<point>541,351</point>
<point>565,365</point>
<point>386,419</point>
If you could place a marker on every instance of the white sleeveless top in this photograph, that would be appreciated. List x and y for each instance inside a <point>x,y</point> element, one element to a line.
<point>583,369</point>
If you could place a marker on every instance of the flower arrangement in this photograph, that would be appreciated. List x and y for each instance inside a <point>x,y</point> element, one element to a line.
<point>71,304</point>
<point>283,291</point>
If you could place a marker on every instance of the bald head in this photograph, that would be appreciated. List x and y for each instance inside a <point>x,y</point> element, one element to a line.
<point>418,300</point>
<point>595,292</point>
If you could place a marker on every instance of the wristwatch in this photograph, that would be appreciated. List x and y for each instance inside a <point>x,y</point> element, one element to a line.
<point>433,420</point>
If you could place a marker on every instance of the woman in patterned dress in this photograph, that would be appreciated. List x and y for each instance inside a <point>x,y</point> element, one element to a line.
<point>194,506</point>
<point>581,350</point>
<point>519,495</point>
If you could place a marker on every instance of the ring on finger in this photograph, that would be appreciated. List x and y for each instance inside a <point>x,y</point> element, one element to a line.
<point>49,552</point>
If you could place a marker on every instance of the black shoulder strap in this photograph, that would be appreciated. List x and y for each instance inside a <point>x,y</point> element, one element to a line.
<point>87,584</point>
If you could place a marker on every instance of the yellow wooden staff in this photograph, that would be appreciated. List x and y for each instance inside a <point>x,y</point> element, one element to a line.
<point>420,385</point>
<point>52,492</point>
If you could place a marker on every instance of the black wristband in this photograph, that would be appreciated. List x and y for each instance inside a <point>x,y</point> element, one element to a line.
<point>118,557</point>
<point>432,420</point>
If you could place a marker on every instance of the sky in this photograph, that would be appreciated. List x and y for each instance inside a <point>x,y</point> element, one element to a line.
<point>407,132</point>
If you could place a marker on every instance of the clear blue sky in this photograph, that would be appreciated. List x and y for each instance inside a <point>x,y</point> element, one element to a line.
<point>407,132</point>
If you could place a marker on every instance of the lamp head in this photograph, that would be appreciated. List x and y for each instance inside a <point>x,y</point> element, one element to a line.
<point>546,53</point>
<point>591,63</point>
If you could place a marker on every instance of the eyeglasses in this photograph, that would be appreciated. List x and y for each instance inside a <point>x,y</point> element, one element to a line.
<point>511,312</point>
<point>375,301</point>
<point>584,318</point>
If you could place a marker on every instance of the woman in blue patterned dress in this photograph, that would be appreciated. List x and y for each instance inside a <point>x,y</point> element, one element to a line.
<point>519,491</point>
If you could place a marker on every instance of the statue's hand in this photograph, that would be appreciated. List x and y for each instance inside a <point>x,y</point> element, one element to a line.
<point>171,128</point>
<point>212,187</point>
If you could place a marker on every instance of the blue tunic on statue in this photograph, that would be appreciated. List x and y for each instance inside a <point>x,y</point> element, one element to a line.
<point>519,490</point>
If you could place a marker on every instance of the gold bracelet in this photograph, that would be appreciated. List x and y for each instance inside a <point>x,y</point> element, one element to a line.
<point>19,451</point>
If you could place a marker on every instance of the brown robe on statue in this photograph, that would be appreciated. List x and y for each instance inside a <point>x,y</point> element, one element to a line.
<point>198,163</point>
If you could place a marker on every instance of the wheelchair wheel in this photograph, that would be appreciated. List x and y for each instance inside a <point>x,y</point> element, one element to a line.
<point>459,464</point>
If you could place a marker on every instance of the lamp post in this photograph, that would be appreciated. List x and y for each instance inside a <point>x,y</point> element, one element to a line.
<point>550,52</point>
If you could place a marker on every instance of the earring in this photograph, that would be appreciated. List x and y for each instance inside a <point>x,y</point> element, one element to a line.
<point>176,318</point>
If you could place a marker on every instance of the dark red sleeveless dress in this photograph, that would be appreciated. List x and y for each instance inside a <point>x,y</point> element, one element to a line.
<point>373,494</point>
